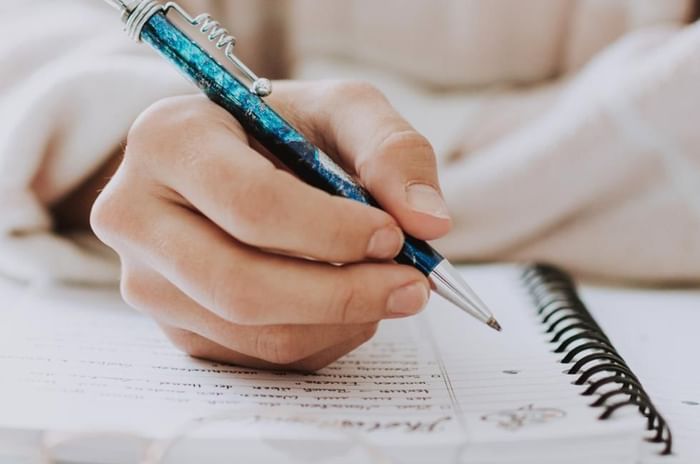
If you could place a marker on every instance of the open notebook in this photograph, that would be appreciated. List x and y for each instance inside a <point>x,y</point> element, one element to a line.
<point>435,388</point>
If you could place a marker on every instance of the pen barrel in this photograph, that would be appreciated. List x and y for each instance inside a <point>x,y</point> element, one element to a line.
<point>286,143</point>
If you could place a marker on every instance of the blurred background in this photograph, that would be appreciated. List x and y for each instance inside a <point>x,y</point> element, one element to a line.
<point>564,128</point>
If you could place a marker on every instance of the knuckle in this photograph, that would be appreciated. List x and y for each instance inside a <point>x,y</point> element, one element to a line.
<point>101,218</point>
<point>112,214</point>
<point>181,339</point>
<point>349,90</point>
<point>178,126</point>
<point>186,342</point>
<point>169,113</point>
<point>338,237</point>
<point>135,288</point>
<point>413,149</point>
<point>278,345</point>
<point>344,300</point>
<point>403,140</point>
<point>249,206</point>
<point>231,298</point>
<point>225,298</point>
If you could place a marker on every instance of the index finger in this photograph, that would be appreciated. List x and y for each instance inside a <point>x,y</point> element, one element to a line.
<point>213,169</point>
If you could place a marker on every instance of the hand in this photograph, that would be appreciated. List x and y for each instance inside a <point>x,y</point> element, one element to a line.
<point>230,253</point>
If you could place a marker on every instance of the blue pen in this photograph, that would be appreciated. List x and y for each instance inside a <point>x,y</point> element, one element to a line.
<point>146,21</point>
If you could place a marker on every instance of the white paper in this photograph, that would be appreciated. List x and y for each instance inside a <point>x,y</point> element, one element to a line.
<point>657,334</point>
<point>80,361</point>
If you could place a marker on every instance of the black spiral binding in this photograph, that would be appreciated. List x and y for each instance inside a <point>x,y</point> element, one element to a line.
<point>587,350</point>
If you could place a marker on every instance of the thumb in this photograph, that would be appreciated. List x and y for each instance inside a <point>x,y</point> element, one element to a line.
<point>401,173</point>
<point>354,123</point>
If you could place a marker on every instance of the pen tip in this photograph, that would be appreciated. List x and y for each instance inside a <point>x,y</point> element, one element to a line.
<point>493,323</point>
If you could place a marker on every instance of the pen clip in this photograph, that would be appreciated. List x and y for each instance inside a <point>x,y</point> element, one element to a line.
<point>224,41</point>
<point>206,25</point>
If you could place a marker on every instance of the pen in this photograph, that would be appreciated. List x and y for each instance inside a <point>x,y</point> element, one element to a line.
<point>147,21</point>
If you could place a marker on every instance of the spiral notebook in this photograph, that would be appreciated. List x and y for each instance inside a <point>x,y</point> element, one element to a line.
<point>437,388</point>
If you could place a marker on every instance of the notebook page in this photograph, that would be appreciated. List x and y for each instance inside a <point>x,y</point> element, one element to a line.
<point>656,332</point>
<point>520,375</point>
<point>82,361</point>
<point>516,391</point>
<point>85,362</point>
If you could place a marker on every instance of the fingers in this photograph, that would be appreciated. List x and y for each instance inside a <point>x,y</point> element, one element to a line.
<point>217,173</point>
<point>202,212</point>
<point>280,344</point>
<point>326,357</point>
<point>393,161</point>
<point>199,347</point>
<point>249,287</point>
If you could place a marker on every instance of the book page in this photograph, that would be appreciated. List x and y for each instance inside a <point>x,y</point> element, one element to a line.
<point>80,365</point>
<point>656,332</point>
<point>510,387</point>
<point>80,360</point>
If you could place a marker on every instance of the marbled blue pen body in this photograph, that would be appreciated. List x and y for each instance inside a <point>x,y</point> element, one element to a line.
<point>269,128</point>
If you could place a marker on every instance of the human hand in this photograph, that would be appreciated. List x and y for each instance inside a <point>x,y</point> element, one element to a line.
<point>230,254</point>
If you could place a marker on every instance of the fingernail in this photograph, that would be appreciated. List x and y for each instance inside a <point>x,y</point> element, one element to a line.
<point>426,199</point>
<point>385,243</point>
<point>407,300</point>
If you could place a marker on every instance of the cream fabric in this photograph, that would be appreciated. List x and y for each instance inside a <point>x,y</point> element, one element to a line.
<point>606,179</point>
<point>599,173</point>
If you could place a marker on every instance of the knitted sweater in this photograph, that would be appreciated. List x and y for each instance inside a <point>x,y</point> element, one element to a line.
<point>599,173</point>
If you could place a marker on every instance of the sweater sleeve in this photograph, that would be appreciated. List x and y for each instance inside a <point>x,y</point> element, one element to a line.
<point>605,180</point>
<point>71,83</point>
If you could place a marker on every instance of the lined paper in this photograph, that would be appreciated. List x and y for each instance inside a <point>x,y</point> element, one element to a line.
<point>68,360</point>
<point>656,332</point>
<point>82,361</point>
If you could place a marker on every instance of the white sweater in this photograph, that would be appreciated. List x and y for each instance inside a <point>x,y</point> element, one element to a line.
<point>601,173</point>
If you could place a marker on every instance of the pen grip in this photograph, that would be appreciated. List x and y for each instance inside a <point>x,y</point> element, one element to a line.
<point>287,144</point>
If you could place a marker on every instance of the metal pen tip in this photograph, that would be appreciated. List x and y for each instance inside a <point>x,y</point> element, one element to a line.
<point>493,323</point>
<point>449,284</point>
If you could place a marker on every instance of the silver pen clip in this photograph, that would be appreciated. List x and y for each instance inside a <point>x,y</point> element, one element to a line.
<point>136,13</point>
